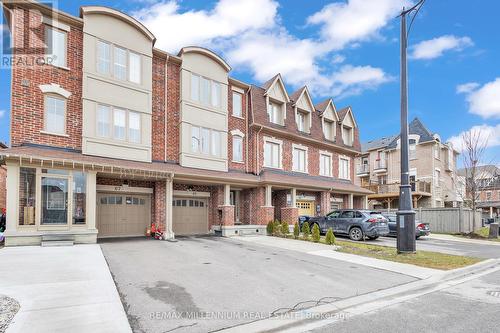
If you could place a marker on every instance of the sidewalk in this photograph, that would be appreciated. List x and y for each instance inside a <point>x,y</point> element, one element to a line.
<point>61,289</point>
<point>327,251</point>
<point>462,239</point>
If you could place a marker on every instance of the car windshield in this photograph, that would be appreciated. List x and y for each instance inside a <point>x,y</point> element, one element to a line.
<point>377,215</point>
<point>334,214</point>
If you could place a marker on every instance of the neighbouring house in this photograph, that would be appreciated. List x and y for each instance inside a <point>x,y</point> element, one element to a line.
<point>113,135</point>
<point>488,188</point>
<point>432,170</point>
<point>3,181</point>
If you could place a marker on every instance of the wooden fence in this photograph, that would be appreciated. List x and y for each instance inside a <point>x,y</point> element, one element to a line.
<point>449,220</point>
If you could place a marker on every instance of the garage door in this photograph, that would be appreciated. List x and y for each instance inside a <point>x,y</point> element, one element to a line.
<point>305,208</point>
<point>120,215</point>
<point>190,216</point>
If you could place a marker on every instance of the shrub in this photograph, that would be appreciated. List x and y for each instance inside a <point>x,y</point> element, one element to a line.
<point>277,228</point>
<point>296,231</point>
<point>270,228</point>
<point>285,229</point>
<point>315,233</point>
<point>305,230</point>
<point>330,237</point>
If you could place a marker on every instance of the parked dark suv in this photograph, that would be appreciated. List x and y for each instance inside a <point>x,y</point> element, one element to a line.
<point>356,223</point>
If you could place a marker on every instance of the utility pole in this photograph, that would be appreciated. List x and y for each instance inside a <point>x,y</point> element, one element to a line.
<point>406,241</point>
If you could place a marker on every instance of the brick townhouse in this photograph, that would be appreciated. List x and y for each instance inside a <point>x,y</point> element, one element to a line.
<point>112,135</point>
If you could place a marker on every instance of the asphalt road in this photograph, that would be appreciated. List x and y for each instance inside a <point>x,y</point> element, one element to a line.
<point>473,306</point>
<point>446,246</point>
<point>237,282</point>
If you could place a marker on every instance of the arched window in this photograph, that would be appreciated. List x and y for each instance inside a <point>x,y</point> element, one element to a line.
<point>55,108</point>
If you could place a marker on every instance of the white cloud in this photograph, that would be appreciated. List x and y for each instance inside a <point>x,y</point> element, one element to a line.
<point>250,35</point>
<point>434,48</point>
<point>355,20</point>
<point>491,134</point>
<point>2,113</point>
<point>483,101</point>
<point>467,87</point>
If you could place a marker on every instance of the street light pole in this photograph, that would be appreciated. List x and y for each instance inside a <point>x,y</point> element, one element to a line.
<point>406,241</point>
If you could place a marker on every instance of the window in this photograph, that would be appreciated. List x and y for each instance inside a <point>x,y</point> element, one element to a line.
<point>437,175</point>
<point>195,139</point>
<point>413,148</point>
<point>55,115</point>
<point>299,160</point>
<point>120,63</point>
<point>134,65</point>
<point>79,197</point>
<point>301,121</point>
<point>325,165</point>
<point>103,57</point>
<point>437,151</point>
<point>275,113</point>
<point>119,124</point>
<point>216,94</point>
<point>27,196</point>
<point>237,148</point>
<point>347,135</point>
<point>237,104</point>
<point>344,168</point>
<point>54,201</point>
<point>103,121</point>
<point>134,127</point>
<point>272,156</point>
<point>204,91</point>
<point>215,143</point>
<point>56,46</point>
<point>329,130</point>
<point>488,196</point>
<point>205,140</point>
<point>382,180</point>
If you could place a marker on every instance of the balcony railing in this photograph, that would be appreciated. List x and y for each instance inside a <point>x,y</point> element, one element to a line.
<point>380,165</point>
<point>363,169</point>
<point>418,186</point>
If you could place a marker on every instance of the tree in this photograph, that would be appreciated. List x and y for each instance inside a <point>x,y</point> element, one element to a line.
<point>315,233</point>
<point>330,237</point>
<point>296,230</point>
<point>305,230</point>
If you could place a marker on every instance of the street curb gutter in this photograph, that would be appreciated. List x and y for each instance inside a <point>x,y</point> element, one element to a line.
<point>307,319</point>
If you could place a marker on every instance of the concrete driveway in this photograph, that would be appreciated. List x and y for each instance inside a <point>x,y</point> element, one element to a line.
<point>232,282</point>
<point>61,289</point>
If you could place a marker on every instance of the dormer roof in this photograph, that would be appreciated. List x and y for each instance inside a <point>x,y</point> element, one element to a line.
<point>302,99</point>
<point>346,113</point>
<point>276,83</point>
<point>327,109</point>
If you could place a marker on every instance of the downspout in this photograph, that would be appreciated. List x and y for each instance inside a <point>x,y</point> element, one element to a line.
<point>246,129</point>
<point>257,167</point>
<point>166,105</point>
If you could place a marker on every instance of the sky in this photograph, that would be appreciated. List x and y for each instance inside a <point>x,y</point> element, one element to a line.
<point>347,50</point>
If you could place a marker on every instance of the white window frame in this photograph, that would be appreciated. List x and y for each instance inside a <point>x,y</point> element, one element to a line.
<point>111,135</point>
<point>211,142</point>
<point>275,112</point>
<point>240,96</point>
<point>348,159</point>
<point>109,122</point>
<point>330,168</point>
<point>302,121</point>
<point>112,62</point>
<point>351,136</point>
<point>213,94</point>
<point>115,111</point>
<point>236,158</point>
<point>49,31</point>
<point>295,150</point>
<point>129,127</point>
<point>103,60</point>
<point>134,55</point>
<point>333,129</point>
<point>280,152</point>
<point>45,114</point>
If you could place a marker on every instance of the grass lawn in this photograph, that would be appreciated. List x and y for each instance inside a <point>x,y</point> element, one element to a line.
<point>421,258</point>
<point>482,234</point>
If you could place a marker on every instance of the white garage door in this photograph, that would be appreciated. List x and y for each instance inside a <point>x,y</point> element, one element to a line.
<point>120,215</point>
<point>190,216</point>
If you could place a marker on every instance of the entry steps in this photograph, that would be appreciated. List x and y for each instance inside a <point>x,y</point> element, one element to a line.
<point>58,240</point>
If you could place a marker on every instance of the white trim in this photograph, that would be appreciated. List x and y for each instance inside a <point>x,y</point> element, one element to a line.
<point>237,132</point>
<point>123,189</point>
<point>267,139</point>
<point>193,194</point>
<point>344,157</point>
<point>330,155</point>
<point>54,89</point>
<point>306,150</point>
<point>237,89</point>
<point>55,23</point>
<point>282,84</point>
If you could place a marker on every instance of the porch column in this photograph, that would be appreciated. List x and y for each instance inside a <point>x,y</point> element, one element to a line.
<point>365,202</point>
<point>91,199</point>
<point>169,196</point>
<point>350,200</point>
<point>227,195</point>
<point>269,201</point>
<point>293,195</point>
<point>13,173</point>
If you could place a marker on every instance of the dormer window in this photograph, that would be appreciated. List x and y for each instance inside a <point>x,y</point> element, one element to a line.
<point>275,112</point>
<point>347,135</point>
<point>302,121</point>
<point>329,129</point>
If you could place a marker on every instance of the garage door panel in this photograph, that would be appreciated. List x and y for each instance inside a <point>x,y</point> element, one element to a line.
<point>190,216</point>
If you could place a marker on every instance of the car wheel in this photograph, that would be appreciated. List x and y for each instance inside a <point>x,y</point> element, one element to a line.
<point>356,234</point>
<point>373,238</point>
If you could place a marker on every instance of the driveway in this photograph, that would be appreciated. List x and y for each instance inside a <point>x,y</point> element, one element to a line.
<point>235,282</point>
<point>61,289</point>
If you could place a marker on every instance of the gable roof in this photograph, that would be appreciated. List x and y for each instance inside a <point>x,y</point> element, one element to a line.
<point>416,127</point>
<point>268,84</point>
<point>482,169</point>
<point>344,112</point>
<point>321,106</point>
<point>377,143</point>
<point>297,95</point>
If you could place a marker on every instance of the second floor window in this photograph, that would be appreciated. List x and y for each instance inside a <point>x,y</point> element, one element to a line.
<point>237,105</point>
<point>205,141</point>
<point>237,148</point>
<point>275,113</point>
<point>56,46</point>
<point>272,158</point>
<point>413,148</point>
<point>119,124</point>
<point>103,57</point>
<point>325,165</point>
<point>206,92</point>
<point>299,160</point>
<point>55,115</point>
<point>344,168</point>
<point>134,127</point>
<point>103,121</point>
<point>437,176</point>
<point>120,63</point>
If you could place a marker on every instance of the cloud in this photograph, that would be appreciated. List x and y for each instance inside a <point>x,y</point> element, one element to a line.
<point>491,134</point>
<point>434,48</point>
<point>250,35</point>
<point>354,20</point>
<point>483,101</point>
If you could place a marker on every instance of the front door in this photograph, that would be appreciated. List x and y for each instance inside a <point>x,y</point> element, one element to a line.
<point>235,201</point>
